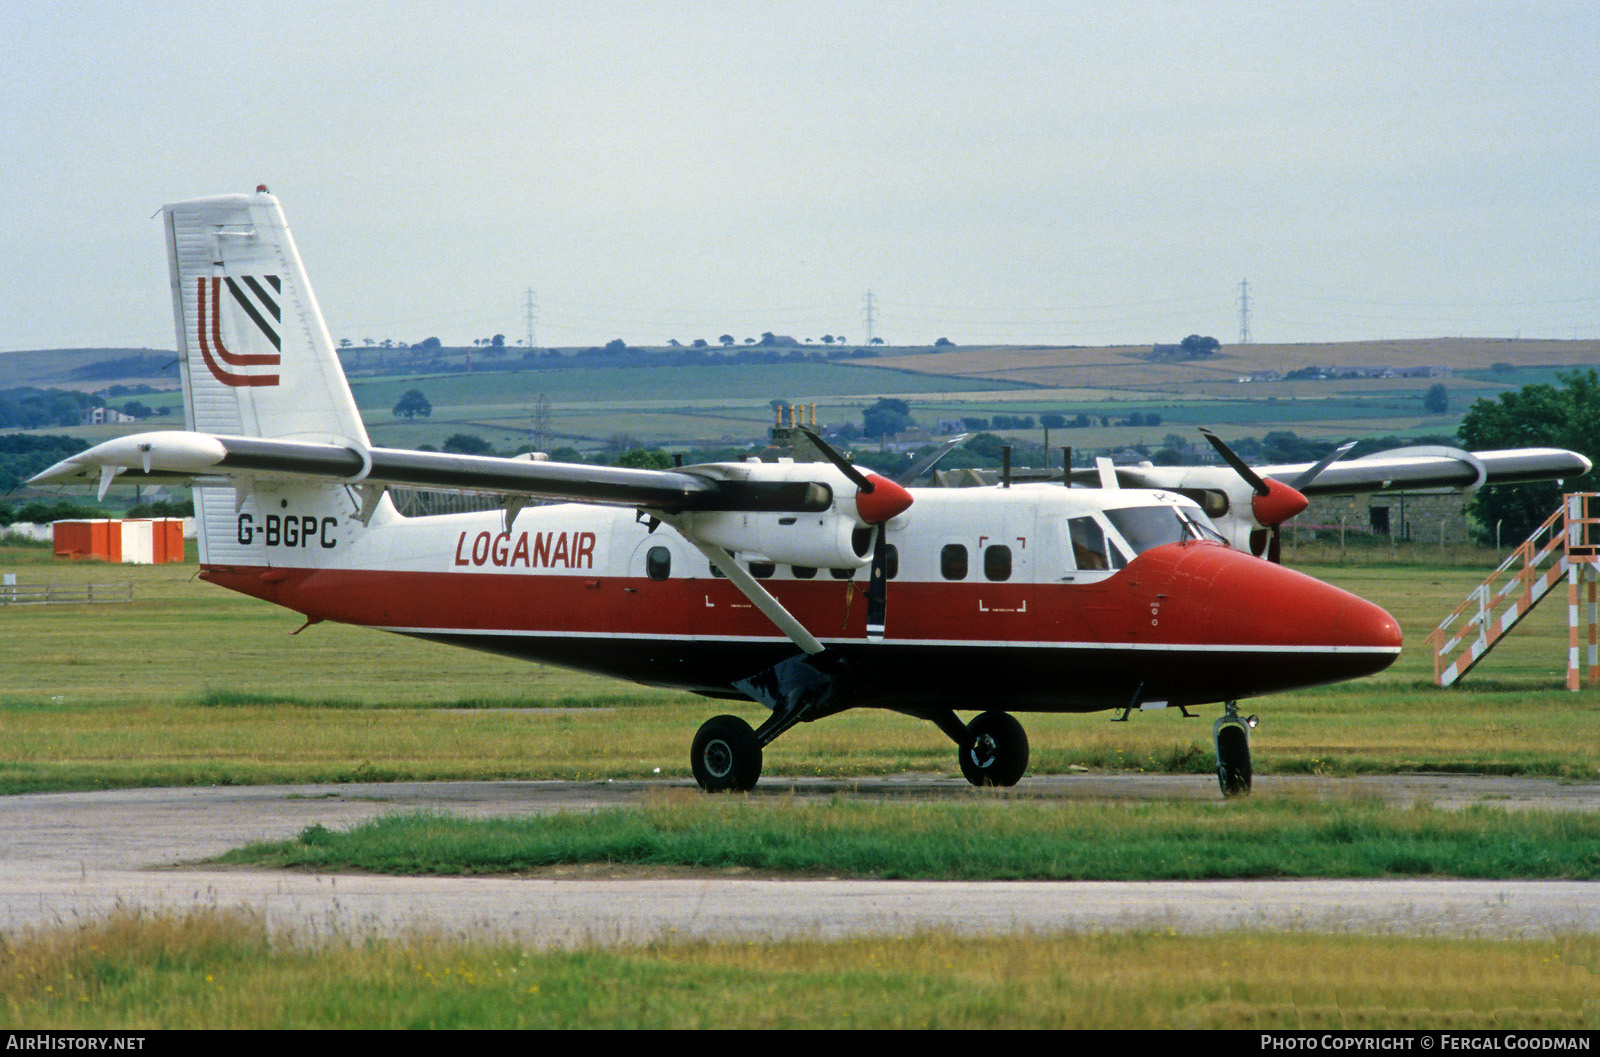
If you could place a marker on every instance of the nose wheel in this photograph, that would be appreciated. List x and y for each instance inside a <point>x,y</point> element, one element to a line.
<point>1232,736</point>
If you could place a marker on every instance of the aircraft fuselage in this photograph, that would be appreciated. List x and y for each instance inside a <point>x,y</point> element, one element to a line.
<point>994,600</point>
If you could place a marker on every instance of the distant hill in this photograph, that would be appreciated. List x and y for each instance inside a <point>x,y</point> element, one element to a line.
<point>1129,366</point>
<point>88,369</point>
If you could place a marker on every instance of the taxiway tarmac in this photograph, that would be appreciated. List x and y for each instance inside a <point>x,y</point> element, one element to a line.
<point>65,857</point>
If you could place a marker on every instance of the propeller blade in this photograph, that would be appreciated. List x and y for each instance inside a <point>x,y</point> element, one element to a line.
<point>1239,465</point>
<point>1274,502</point>
<point>878,583</point>
<point>924,466</point>
<point>1327,460</point>
<point>830,453</point>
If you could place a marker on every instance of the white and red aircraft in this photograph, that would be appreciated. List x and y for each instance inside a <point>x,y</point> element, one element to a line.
<point>810,588</point>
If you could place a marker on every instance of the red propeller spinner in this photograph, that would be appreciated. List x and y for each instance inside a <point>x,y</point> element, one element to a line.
<point>881,499</point>
<point>877,498</point>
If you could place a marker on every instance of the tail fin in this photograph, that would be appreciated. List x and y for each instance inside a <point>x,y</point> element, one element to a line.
<point>257,362</point>
<point>257,358</point>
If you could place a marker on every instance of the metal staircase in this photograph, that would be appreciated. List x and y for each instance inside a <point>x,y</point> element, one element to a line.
<point>1566,547</point>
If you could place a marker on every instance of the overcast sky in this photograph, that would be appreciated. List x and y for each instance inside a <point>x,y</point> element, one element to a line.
<point>992,172</point>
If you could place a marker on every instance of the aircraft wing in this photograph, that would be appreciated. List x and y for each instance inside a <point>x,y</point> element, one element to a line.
<point>172,455</point>
<point>1435,467</point>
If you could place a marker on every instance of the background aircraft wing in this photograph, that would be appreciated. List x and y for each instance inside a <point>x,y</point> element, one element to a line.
<point>1435,467</point>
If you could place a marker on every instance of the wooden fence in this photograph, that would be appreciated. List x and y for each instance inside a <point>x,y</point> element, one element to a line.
<point>48,594</point>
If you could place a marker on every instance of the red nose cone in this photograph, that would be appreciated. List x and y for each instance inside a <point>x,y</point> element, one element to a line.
<point>1260,628</point>
<point>885,501</point>
<point>1256,601</point>
<point>1279,504</point>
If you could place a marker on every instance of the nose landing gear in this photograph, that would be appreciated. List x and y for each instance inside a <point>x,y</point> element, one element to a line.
<point>1232,736</point>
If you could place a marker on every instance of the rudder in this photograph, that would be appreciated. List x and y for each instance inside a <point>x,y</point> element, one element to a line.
<point>257,358</point>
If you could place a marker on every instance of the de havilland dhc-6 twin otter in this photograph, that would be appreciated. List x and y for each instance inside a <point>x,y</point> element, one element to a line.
<point>809,587</point>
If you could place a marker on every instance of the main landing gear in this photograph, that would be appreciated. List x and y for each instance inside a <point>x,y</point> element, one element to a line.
<point>998,752</point>
<point>1232,736</point>
<point>726,755</point>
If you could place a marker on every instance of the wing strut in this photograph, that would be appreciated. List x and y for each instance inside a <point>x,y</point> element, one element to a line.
<point>795,688</point>
<point>749,586</point>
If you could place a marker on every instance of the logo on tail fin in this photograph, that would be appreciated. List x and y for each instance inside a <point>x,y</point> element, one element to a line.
<point>257,300</point>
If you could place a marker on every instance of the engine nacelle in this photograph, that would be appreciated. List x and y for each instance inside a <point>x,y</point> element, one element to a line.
<point>825,540</point>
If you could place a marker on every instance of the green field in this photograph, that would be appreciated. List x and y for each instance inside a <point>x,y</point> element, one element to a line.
<point>659,405</point>
<point>722,404</point>
<point>223,969</point>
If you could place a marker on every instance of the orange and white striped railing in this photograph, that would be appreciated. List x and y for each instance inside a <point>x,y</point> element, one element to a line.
<point>1566,547</point>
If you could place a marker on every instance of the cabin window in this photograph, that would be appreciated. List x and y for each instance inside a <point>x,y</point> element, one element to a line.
<point>953,562</point>
<point>997,562</point>
<point>803,572</point>
<point>1090,548</point>
<point>762,570</point>
<point>658,563</point>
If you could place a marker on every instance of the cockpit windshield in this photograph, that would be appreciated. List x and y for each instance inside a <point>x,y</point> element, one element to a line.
<point>1200,524</point>
<point>1138,529</point>
<point>1145,527</point>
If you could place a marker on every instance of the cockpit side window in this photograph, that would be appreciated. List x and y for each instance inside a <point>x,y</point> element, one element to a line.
<point>1090,548</point>
<point>1199,524</point>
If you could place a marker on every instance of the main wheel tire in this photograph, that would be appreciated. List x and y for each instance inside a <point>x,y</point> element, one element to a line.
<point>726,755</point>
<point>999,751</point>
<point>1233,760</point>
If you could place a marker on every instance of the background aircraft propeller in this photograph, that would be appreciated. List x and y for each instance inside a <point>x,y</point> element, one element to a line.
<point>1274,502</point>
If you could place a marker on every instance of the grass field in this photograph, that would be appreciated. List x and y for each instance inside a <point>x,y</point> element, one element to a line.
<point>980,837</point>
<point>218,969</point>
